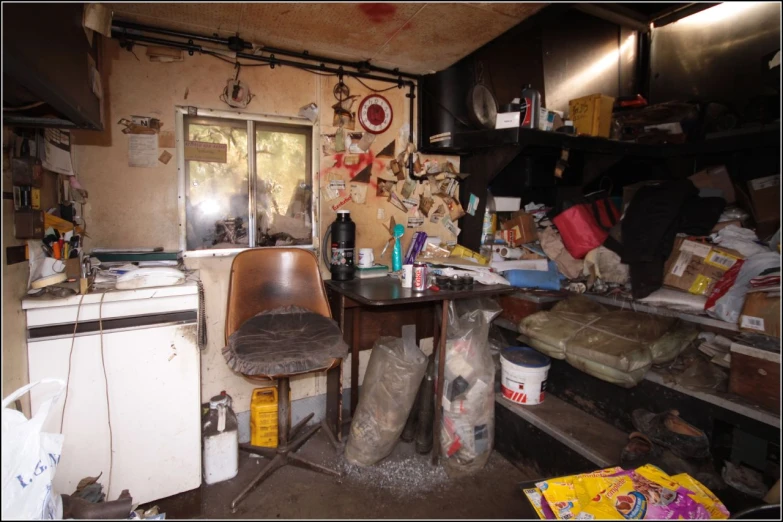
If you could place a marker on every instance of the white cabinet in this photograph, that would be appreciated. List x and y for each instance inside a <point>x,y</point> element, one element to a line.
<point>150,393</point>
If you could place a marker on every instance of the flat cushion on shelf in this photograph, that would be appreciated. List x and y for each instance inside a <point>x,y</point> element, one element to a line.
<point>285,341</point>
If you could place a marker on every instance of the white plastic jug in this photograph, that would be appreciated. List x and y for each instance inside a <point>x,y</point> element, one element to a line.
<point>221,441</point>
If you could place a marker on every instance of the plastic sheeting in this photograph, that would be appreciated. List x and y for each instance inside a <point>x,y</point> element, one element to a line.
<point>284,341</point>
<point>616,346</point>
<point>393,377</point>
<point>729,306</point>
<point>467,429</point>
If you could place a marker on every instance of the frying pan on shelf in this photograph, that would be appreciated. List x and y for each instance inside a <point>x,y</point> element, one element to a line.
<point>482,106</point>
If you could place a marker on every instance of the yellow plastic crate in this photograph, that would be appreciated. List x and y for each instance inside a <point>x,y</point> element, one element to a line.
<point>263,417</point>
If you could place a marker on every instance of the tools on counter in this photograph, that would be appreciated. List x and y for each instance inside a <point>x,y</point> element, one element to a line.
<point>55,245</point>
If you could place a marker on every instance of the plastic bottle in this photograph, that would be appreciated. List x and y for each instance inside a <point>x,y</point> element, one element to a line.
<point>221,442</point>
<point>343,232</point>
<point>399,231</point>
<point>531,106</point>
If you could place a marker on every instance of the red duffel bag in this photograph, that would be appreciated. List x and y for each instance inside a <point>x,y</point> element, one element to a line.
<point>586,226</point>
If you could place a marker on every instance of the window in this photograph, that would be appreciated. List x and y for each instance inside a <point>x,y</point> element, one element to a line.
<point>230,199</point>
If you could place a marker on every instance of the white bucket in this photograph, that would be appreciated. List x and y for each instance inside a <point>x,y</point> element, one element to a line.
<point>523,374</point>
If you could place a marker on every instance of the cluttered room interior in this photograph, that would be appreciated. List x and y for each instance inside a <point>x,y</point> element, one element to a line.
<point>391,260</point>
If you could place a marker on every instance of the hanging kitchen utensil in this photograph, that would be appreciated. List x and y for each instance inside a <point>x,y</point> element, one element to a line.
<point>482,106</point>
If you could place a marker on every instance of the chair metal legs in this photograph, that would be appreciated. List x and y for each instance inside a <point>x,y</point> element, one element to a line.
<point>289,441</point>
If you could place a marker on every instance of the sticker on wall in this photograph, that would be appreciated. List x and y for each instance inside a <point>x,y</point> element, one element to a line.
<point>425,205</point>
<point>143,150</point>
<point>408,188</point>
<point>387,152</point>
<point>454,208</point>
<point>351,160</point>
<point>341,203</point>
<point>450,225</point>
<point>204,151</point>
<point>165,157</point>
<point>436,216</point>
<point>166,140</point>
<point>385,188</point>
<point>381,214</point>
<point>359,192</point>
<point>336,184</point>
<point>395,200</point>
<point>415,222</point>
<point>327,145</point>
<point>410,203</point>
<point>473,204</point>
<point>396,169</point>
<point>365,141</point>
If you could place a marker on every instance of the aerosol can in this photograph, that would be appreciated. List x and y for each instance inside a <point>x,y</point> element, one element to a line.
<point>530,108</point>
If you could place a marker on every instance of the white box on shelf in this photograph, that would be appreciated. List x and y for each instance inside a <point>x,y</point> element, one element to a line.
<point>507,120</point>
<point>507,204</point>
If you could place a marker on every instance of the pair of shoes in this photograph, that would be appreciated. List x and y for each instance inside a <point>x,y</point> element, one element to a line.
<point>671,444</point>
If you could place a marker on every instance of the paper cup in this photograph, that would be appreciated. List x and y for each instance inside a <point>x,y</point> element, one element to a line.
<point>407,276</point>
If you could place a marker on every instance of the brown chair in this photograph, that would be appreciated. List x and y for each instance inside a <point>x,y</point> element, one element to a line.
<point>278,324</point>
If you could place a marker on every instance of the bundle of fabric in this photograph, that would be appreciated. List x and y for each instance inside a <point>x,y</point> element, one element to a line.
<point>616,346</point>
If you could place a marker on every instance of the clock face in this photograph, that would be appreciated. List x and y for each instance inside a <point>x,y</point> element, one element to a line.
<point>375,114</point>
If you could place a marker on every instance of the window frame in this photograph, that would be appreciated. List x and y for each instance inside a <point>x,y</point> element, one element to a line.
<point>278,123</point>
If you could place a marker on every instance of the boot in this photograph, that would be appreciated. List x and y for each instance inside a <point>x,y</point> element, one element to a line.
<point>409,432</point>
<point>426,410</point>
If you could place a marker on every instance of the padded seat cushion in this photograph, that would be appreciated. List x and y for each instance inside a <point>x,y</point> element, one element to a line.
<point>285,341</point>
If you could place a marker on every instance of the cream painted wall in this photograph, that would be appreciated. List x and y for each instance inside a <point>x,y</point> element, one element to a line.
<point>14,287</point>
<point>133,207</point>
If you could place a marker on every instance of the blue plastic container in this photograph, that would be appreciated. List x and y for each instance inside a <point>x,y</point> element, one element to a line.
<point>549,280</point>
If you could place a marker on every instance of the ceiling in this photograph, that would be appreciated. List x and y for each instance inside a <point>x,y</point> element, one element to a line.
<point>417,38</point>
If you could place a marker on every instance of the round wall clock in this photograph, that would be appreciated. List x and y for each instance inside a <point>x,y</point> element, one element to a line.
<point>375,114</point>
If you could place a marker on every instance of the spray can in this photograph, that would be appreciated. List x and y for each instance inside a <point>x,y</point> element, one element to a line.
<point>419,277</point>
<point>531,106</point>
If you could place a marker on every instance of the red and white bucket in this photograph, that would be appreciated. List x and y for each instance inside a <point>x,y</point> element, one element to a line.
<point>523,374</point>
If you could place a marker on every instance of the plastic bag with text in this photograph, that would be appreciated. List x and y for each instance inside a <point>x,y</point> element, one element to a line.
<point>30,458</point>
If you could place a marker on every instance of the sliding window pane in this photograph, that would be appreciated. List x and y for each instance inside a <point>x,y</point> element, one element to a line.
<point>217,196</point>
<point>284,187</point>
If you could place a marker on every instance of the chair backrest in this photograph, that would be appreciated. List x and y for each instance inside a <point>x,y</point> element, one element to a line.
<point>267,278</point>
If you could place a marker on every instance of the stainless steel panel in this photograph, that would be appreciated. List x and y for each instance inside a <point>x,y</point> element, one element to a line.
<point>715,54</point>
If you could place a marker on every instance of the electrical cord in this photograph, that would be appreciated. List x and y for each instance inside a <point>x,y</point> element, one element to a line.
<point>436,100</point>
<point>374,90</point>
<point>108,406</point>
<point>24,107</point>
<point>70,360</point>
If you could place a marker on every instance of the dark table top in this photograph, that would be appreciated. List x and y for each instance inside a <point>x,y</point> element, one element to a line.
<point>385,291</point>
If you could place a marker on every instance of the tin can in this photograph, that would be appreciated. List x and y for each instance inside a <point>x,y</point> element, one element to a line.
<point>419,277</point>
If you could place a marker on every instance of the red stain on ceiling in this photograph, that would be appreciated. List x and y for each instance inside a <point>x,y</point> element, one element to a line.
<point>378,13</point>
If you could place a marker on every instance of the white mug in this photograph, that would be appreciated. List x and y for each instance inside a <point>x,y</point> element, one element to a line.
<point>407,276</point>
<point>366,258</point>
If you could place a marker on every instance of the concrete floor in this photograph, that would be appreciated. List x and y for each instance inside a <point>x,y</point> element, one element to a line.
<point>404,485</point>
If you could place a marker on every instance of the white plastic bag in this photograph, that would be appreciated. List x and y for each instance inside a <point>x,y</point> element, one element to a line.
<point>30,458</point>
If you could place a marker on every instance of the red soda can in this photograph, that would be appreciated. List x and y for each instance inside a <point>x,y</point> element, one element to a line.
<point>419,277</point>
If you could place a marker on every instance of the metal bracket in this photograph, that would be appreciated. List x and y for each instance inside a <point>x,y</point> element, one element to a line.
<point>190,51</point>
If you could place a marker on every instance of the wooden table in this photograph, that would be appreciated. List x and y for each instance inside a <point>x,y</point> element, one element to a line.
<point>400,306</point>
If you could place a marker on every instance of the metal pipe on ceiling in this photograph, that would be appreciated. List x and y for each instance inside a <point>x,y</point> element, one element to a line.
<point>272,60</point>
<point>171,32</point>
<point>234,42</point>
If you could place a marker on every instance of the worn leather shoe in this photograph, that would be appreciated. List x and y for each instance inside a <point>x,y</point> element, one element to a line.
<point>670,431</point>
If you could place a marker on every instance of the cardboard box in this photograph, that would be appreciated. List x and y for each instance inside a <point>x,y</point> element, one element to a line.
<point>761,197</point>
<point>715,181</point>
<point>696,267</point>
<point>523,226</point>
<point>761,314</point>
<point>592,114</point>
<point>755,375</point>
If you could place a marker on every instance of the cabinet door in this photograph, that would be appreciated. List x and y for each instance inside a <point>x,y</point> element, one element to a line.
<point>153,380</point>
